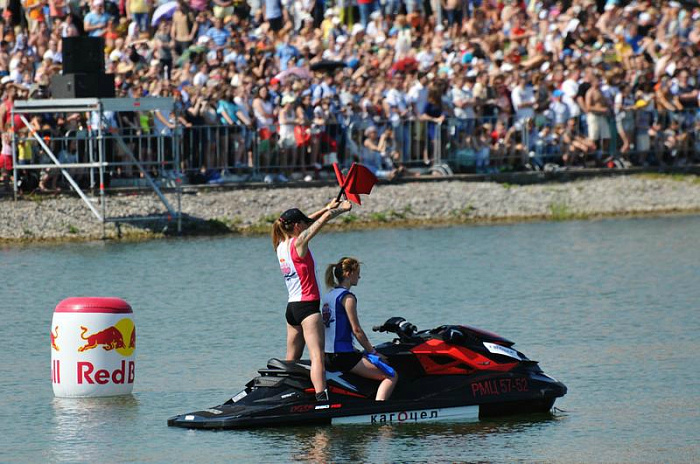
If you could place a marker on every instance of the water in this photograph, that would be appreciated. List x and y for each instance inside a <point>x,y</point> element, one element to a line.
<point>609,307</point>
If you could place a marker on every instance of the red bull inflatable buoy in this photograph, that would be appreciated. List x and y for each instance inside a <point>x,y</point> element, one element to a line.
<point>93,346</point>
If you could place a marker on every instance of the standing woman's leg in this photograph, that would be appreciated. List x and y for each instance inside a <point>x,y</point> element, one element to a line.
<point>295,342</point>
<point>315,338</point>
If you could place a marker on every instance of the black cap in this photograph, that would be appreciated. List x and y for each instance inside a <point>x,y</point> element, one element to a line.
<point>293,216</point>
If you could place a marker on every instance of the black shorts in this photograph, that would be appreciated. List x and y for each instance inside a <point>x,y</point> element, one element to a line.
<point>297,311</point>
<point>343,362</point>
<point>276,24</point>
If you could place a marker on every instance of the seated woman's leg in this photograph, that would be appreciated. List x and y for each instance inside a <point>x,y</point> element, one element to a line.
<point>366,369</point>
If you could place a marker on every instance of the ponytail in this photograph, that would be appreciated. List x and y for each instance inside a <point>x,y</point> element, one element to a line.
<point>280,232</point>
<point>330,271</point>
<point>335,273</point>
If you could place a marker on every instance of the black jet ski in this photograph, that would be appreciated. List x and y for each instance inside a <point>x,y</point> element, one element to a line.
<point>451,372</point>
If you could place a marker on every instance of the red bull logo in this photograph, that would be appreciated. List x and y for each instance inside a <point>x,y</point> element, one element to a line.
<point>54,336</point>
<point>120,337</point>
<point>111,338</point>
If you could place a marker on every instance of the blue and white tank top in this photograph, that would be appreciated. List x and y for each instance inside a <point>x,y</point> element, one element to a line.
<point>335,320</point>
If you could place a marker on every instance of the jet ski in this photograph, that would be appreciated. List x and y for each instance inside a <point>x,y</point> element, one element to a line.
<point>449,373</point>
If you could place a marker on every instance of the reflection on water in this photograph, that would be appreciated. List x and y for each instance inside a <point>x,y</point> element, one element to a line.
<point>382,443</point>
<point>315,447</point>
<point>84,428</point>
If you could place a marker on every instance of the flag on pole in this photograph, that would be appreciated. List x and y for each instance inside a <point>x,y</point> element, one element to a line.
<point>359,180</point>
<point>341,182</point>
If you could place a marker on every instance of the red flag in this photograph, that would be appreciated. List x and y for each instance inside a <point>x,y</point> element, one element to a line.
<point>360,180</point>
<point>342,181</point>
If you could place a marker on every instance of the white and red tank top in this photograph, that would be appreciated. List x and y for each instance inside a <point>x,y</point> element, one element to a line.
<point>299,273</point>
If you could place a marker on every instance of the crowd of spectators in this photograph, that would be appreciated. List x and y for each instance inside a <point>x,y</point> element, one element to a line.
<point>292,85</point>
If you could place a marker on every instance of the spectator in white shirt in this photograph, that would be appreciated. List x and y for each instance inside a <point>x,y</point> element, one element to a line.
<point>202,75</point>
<point>523,99</point>
<point>418,93</point>
<point>570,89</point>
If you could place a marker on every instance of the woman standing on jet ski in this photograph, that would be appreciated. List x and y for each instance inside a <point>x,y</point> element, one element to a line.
<point>339,310</point>
<point>291,234</point>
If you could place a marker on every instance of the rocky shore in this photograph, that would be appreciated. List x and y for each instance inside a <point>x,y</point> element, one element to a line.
<point>252,209</point>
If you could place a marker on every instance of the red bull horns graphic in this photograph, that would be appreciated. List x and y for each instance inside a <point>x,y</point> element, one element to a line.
<point>97,347</point>
<point>111,338</point>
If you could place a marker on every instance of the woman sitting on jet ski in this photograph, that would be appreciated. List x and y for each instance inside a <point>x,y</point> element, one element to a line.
<point>339,311</point>
<point>291,234</point>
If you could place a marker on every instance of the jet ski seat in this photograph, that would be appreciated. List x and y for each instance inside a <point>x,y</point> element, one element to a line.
<point>277,366</point>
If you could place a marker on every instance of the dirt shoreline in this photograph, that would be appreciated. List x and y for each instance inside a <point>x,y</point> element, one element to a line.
<point>249,211</point>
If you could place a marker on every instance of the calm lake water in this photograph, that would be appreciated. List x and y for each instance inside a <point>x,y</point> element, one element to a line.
<point>610,308</point>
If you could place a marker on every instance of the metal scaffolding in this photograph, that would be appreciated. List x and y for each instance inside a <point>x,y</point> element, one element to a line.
<point>98,163</point>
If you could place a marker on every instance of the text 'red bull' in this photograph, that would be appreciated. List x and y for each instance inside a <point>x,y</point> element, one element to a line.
<point>122,375</point>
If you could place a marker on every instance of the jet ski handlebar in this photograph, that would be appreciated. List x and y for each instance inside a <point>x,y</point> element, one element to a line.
<point>399,326</point>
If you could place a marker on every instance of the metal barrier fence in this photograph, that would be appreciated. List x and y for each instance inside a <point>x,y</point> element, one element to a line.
<point>224,153</point>
<point>465,145</point>
<point>78,150</point>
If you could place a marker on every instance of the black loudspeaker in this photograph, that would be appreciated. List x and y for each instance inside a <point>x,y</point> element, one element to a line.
<point>82,86</point>
<point>83,55</point>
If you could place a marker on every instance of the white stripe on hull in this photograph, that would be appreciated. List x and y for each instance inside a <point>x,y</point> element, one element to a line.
<point>460,413</point>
